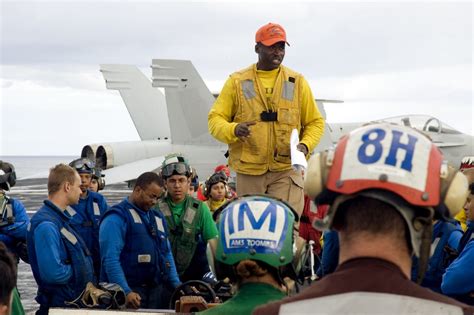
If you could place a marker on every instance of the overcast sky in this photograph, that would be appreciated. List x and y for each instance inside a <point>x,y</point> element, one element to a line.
<point>382,59</point>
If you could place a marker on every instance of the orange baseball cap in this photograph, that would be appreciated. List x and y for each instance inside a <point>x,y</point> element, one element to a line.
<point>270,34</point>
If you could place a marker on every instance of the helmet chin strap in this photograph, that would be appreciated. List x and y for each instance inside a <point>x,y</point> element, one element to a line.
<point>425,248</point>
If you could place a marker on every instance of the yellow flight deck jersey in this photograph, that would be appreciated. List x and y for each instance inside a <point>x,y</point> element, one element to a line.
<point>462,219</point>
<point>281,92</point>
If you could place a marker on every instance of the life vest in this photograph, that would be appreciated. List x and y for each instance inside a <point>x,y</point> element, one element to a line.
<point>268,147</point>
<point>146,244</point>
<point>183,235</point>
<point>86,217</point>
<point>439,260</point>
<point>78,256</point>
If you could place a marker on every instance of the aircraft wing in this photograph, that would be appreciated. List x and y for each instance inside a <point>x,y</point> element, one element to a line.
<point>442,144</point>
<point>131,171</point>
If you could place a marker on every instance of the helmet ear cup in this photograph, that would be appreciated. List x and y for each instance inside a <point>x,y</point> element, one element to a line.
<point>206,189</point>
<point>101,183</point>
<point>7,176</point>
<point>454,190</point>
<point>317,173</point>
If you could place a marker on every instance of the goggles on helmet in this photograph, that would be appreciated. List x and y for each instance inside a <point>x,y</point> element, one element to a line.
<point>97,173</point>
<point>215,178</point>
<point>83,165</point>
<point>175,169</point>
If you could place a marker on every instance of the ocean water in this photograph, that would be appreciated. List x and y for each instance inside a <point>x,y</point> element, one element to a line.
<point>35,166</point>
<point>32,172</point>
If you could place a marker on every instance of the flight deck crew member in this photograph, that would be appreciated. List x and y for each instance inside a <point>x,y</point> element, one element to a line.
<point>97,181</point>
<point>256,270</point>
<point>87,213</point>
<point>255,114</point>
<point>189,220</point>
<point>466,163</point>
<point>13,224</point>
<point>216,191</point>
<point>13,217</point>
<point>384,184</point>
<point>135,250</point>
<point>445,240</point>
<point>59,258</point>
<point>458,280</point>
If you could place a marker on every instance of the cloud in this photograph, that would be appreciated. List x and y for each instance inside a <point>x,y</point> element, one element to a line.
<point>382,59</point>
<point>39,120</point>
<point>54,75</point>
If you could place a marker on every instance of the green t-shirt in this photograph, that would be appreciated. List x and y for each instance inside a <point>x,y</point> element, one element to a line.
<point>205,225</point>
<point>249,297</point>
<point>17,307</point>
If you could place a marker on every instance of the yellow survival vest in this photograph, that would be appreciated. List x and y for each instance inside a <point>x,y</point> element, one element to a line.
<point>268,147</point>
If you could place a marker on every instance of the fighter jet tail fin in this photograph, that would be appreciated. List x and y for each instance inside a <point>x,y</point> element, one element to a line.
<point>188,100</point>
<point>146,105</point>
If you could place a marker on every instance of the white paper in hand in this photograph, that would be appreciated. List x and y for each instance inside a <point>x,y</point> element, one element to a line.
<point>298,159</point>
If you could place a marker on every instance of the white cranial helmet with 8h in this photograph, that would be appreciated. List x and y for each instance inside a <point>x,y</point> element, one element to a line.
<point>395,164</point>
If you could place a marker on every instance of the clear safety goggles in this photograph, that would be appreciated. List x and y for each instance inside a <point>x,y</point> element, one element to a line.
<point>175,169</point>
<point>84,165</point>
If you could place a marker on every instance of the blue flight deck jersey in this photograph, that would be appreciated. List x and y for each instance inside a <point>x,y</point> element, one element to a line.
<point>113,234</point>
<point>330,254</point>
<point>12,233</point>
<point>59,258</point>
<point>85,221</point>
<point>459,276</point>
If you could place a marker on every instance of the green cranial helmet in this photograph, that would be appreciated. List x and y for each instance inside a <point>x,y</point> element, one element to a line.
<point>256,228</point>
<point>175,164</point>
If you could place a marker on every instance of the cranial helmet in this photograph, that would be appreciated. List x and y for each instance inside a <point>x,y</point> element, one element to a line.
<point>83,165</point>
<point>7,175</point>
<point>396,165</point>
<point>254,227</point>
<point>215,178</point>
<point>175,164</point>
<point>97,175</point>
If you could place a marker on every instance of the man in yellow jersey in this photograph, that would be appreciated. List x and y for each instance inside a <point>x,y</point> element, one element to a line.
<point>255,114</point>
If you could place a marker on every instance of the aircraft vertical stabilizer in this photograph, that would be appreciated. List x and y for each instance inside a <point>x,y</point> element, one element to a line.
<point>146,105</point>
<point>188,100</point>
